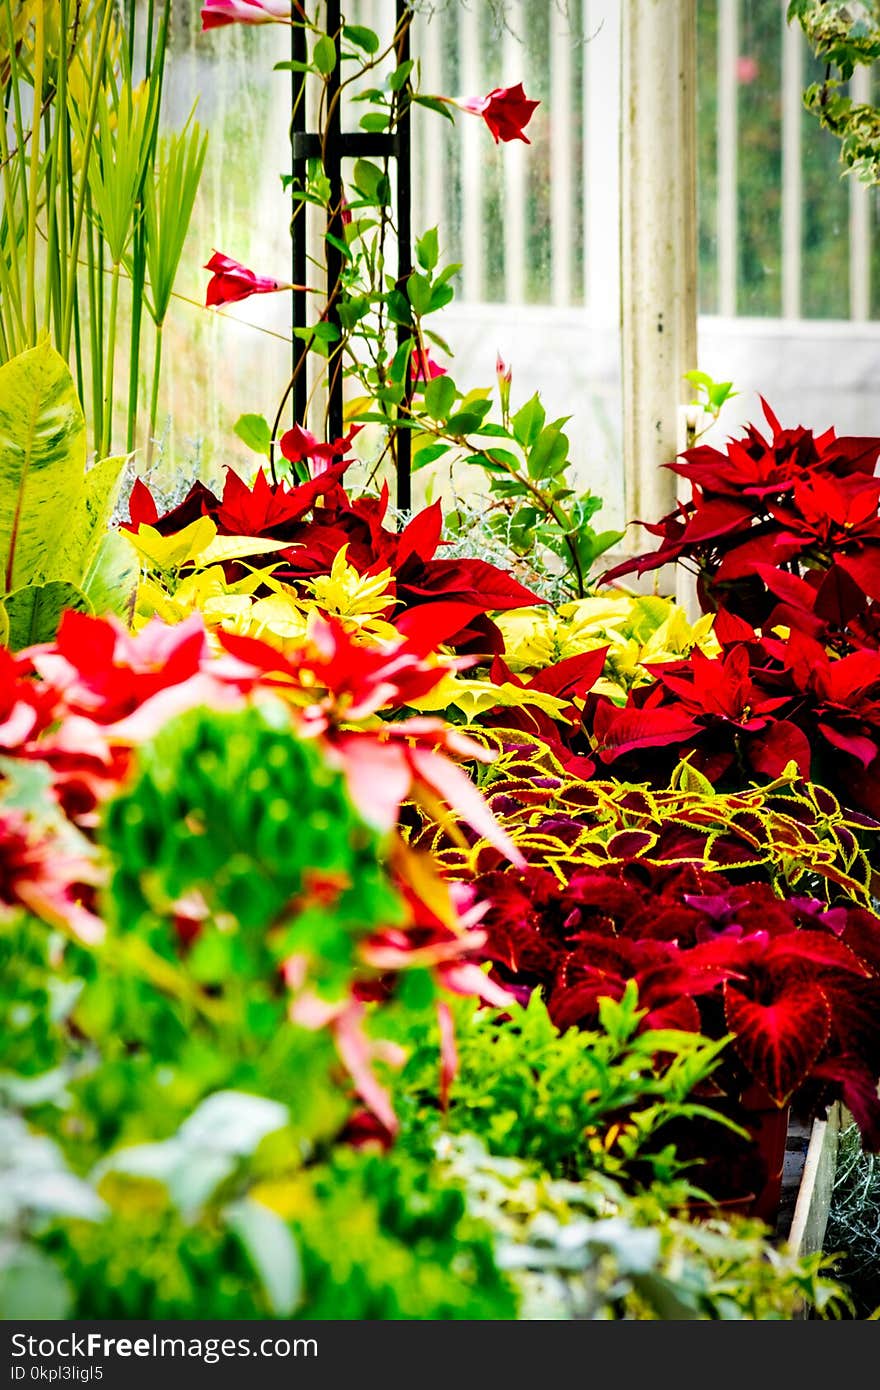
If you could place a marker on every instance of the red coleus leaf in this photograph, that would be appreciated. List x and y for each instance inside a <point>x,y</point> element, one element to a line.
<point>858,1087</point>
<point>781,1034</point>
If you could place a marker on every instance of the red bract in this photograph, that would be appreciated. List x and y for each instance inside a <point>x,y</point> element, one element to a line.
<point>40,872</point>
<point>231,281</point>
<point>796,500</point>
<point>506,111</point>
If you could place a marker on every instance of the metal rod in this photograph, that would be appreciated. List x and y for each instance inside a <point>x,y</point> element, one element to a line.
<point>335,231</point>
<point>403,440</point>
<point>335,146</point>
<point>299,212</point>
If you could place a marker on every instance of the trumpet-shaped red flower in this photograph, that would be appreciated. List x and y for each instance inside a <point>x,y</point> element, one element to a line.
<point>216,13</point>
<point>506,111</point>
<point>231,281</point>
<point>300,446</point>
<point>423,367</point>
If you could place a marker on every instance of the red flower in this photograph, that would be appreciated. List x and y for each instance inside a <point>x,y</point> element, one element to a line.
<point>423,367</point>
<point>232,281</point>
<point>216,13</point>
<point>506,111</point>
<point>298,445</point>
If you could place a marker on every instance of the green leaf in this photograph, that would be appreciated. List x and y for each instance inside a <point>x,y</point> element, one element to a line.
<point>88,524</point>
<point>400,362</point>
<point>418,288</point>
<point>361,37</point>
<point>110,583</point>
<point>429,454</point>
<point>528,422</point>
<point>440,397</point>
<point>549,453</point>
<point>254,431</point>
<point>367,177</point>
<point>34,611</point>
<point>42,461</point>
<point>4,626</point>
<point>428,249</point>
<point>433,104</point>
<point>400,76</point>
<point>324,55</point>
<point>466,421</point>
<point>272,1250</point>
<point>376,122</point>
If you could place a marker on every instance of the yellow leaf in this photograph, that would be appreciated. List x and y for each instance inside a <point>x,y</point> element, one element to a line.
<point>223,548</point>
<point>170,552</point>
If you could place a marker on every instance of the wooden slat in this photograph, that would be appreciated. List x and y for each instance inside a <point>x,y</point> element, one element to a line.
<point>561,163</point>
<point>860,222</point>
<point>515,154</point>
<point>728,51</point>
<point>792,182</point>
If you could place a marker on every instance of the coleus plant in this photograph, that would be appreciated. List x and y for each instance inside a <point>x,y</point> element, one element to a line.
<point>749,913</point>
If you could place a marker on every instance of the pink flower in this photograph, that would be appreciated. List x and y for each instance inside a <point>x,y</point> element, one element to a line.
<point>423,367</point>
<point>216,13</point>
<point>299,445</point>
<point>232,281</point>
<point>746,69</point>
<point>506,111</point>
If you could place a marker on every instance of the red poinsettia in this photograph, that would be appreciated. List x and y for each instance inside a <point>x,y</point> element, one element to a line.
<point>796,500</point>
<point>318,519</point>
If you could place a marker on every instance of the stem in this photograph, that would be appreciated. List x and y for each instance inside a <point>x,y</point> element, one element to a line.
<point>154,394</point>
<point>34,186</point>
<point>111,351</point>
<point>97,78</point>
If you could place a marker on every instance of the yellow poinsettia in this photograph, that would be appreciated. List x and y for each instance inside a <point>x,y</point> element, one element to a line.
<point>206,591</point>
<point>638,629</point>
<point>359,600</point>
<point>197,544</point>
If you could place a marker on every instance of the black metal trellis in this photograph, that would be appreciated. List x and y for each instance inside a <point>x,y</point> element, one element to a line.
<point>339,145</point>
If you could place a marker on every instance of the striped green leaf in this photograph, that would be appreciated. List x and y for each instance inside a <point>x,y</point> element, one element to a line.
<point>34,611</point>
<point>88,523</point>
